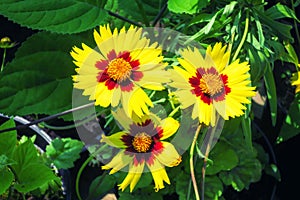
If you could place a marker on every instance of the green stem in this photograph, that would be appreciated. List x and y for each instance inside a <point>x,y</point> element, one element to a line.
<point>143,13</point>
<point>192,163</point>
<point>86,162</point>
<point>204,170</point>
<point>243,37</point>
<point>3,60</point>
<point>10,190</point>
<point>295,24</point>
<point>174,111</point>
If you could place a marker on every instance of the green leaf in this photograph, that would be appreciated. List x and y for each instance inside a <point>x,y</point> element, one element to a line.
<point>140,10</point>
<point>6,177</point>
<point>32,176</point>
<point>281,30</point>
<point>291,51</point>
<point>63,152</point>
<point>213,187</point>
<point>271,93</point>
<point>67,16</point>
<point>223,157</point>
<point>39,80</point>
<point>101,185</point>
<point>280,11</point>
<point>273,170</point>
<point>189,6</point>
<point>139,194</point>
<point>291,125</point>
<point>29,168</point>
<point>8,140</point>
<point>246,126</point>
<point>257,65</point>
<point>247,171</point>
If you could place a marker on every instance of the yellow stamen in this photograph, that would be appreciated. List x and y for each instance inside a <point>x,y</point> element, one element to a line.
<point>119,69</point>
<point>141,142</point>
<point>211,84</point>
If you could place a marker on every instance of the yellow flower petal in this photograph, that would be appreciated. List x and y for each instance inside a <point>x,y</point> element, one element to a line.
<point>103,95</point>
<point>192,60</point>
<point>159,175</point>
<point>114,139</point>
<point>169,156</point>
<point>218,55</point>
<point>118,162</point>
<point>136,101</point>
<point>206,92</point>
<point>133,176</point>
<point>169,126</point>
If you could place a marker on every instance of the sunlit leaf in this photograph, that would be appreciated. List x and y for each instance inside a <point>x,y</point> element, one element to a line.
<point>189,6</point>
<point>63,152</point>
<point>281,11</point>
<point>8,140</point>
<point>39,79</point>
<point>283,31</point>
<point>6,179</point>
<point>67,16</point>
<point>29,168</point>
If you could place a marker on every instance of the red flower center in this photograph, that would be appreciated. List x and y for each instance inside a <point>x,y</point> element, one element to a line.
<point>119,69</point>
<point>209,85</point>
<point>142,142</point>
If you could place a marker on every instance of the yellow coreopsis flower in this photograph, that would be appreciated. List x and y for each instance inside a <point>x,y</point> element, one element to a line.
<point>296,80</point>
<point>211,84</point>
<point>115,71</point>
<point>141,143</point>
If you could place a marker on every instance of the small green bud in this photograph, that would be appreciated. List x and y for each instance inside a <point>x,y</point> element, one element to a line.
<point>6,43</point>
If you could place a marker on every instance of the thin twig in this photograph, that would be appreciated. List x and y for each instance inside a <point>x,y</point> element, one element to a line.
<point>123,18</point>
<point>23,126</point>
<point>159,15</point>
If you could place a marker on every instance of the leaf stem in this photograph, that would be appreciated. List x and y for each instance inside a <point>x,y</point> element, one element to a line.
<point>192,162</point>
<point>86,162</point>
<point>243,37</point>
<point>3,60</point>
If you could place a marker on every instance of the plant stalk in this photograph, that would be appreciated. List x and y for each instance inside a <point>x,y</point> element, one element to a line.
<point>86,162</point>
<point>3,60</point>
<point>243,37</point>
<point>192,163</point>
<point>204,170</point>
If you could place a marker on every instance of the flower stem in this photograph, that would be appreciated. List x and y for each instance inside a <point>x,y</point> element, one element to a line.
<point>243,37</point>
<point>204,170</point>
<point>192,163</point>
<point>86,162</point>
<point>3,60</point>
